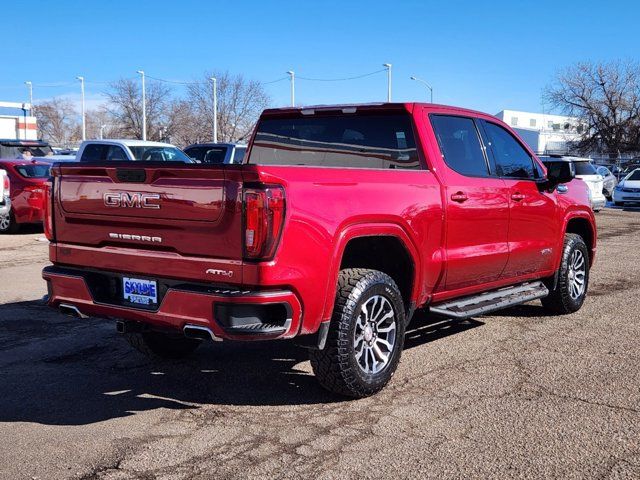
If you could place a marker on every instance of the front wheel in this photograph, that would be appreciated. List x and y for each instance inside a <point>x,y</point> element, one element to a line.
<point>573,278</point>
<point>366,335</point>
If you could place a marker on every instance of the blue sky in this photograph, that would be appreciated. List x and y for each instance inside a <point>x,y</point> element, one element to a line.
<point>483,55</point>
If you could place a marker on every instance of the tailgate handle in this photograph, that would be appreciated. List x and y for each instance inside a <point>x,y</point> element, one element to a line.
<point>131,175</point>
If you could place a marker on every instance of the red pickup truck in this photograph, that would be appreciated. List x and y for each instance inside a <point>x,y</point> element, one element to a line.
<point>340,223</point>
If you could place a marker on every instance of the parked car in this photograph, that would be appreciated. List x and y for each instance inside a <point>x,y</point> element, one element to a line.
<point>628,190</point>
<point>5,200</point>
<point>342,222</point>
<point>27,182</point>
<point>585,171</point>
<point>216,153</point>
<point>130,151</point>
<point>609,181</point>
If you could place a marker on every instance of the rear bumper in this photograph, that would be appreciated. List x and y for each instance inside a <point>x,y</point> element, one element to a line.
<point>229,314</point>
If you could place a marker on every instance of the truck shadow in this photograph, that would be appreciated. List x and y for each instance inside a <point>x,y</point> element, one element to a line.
<point>58,370</point>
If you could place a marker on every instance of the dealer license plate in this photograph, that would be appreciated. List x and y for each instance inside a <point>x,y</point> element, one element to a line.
<point>137,290</point>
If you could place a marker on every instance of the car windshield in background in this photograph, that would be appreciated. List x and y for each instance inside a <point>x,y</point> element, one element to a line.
<point>355,141</point>
<point>206,154</point>
<point>34,171</point>
<point>15,151</point>
<point>635,175</point>
<point>159,154</point>
<point>585,168</point>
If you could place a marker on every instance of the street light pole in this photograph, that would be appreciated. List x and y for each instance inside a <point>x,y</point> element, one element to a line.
<point>214,81</point>
<point>84,124</point>
<point>30,87</point>
<point>388,67</point>
<point>144,107</point>
<point>292,76</point>
<point>425,83</point>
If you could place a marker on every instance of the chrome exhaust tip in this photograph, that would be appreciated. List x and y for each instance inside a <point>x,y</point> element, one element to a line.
<point>71,310</point>
<point>197,332</point>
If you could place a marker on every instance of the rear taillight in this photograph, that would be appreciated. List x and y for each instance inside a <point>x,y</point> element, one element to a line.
<point>264,210</point>
<point>36,195</point>
<point>48,210</point>
<point>7,185</point>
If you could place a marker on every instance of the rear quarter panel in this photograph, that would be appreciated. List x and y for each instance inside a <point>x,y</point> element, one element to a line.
<point>326,207</point>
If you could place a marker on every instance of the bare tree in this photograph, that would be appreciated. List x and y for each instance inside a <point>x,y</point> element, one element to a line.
<point>101,124</point>
<point>240,102</point>
<point>125,108</point>
<point>606,98</point>
<point>58,121</point>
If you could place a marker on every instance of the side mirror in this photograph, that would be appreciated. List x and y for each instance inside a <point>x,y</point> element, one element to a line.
<point>559,172</point>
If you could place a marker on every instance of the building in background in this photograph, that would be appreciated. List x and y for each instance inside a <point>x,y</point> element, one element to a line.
<point>543,132</point>
<point>16,122</point>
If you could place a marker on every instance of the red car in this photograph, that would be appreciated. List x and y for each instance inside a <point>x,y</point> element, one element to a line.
<point>28,179</point>
<point>342,221</point>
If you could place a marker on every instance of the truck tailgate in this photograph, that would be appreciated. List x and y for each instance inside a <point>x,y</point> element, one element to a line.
<point>176,211</point>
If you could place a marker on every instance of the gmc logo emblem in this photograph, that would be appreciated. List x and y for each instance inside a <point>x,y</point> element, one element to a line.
<point>131,200</point>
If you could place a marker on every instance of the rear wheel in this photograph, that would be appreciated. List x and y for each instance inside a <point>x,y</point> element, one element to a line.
<point>8,223</point>
<point>366,335</point>
<point>573,278</point>
<point>162,345</point>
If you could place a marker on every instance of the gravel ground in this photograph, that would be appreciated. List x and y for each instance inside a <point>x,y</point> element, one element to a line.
<point>512,395</point>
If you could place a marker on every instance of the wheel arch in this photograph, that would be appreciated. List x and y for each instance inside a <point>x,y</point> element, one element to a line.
<point>375,246</point>
<point>583,225</point>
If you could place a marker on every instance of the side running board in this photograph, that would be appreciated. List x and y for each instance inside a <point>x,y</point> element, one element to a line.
<point>490,301</point>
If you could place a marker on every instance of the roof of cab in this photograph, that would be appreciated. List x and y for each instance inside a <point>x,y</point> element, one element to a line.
<point>128,142</point>
<point>390,106</point>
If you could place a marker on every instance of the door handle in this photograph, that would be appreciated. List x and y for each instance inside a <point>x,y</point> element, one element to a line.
<point>459,197</point>
<point>518,197</point>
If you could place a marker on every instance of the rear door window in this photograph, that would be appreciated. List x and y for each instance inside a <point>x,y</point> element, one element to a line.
<point>512,160</point>
<point>460,145</point>
<point>359,140</point>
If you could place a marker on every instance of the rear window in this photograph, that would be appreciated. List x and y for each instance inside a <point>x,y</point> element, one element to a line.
<point>214,155</point>
<point>585,168</point>
<point>352,141</point>
<point>239,155</point>
<point>33,171</point>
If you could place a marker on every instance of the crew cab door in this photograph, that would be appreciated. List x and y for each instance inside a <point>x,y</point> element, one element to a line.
<point>476,203</point>
<point>533,221</point>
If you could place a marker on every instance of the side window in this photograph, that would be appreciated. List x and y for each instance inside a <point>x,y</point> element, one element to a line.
<point>460,145</point>
<point>512,160</point>
<point>116,154</point>
<point>94,152</point>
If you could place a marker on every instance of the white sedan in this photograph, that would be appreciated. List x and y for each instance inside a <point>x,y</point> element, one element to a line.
<point>628,190</point>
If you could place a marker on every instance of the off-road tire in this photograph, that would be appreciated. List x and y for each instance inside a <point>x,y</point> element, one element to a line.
<point>559,301</point>
<point>335,366</point>
<point>162,346</point>
<point>13,225</point>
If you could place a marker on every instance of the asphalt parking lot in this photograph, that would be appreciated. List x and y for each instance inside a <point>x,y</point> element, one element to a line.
<point>512,395</point>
